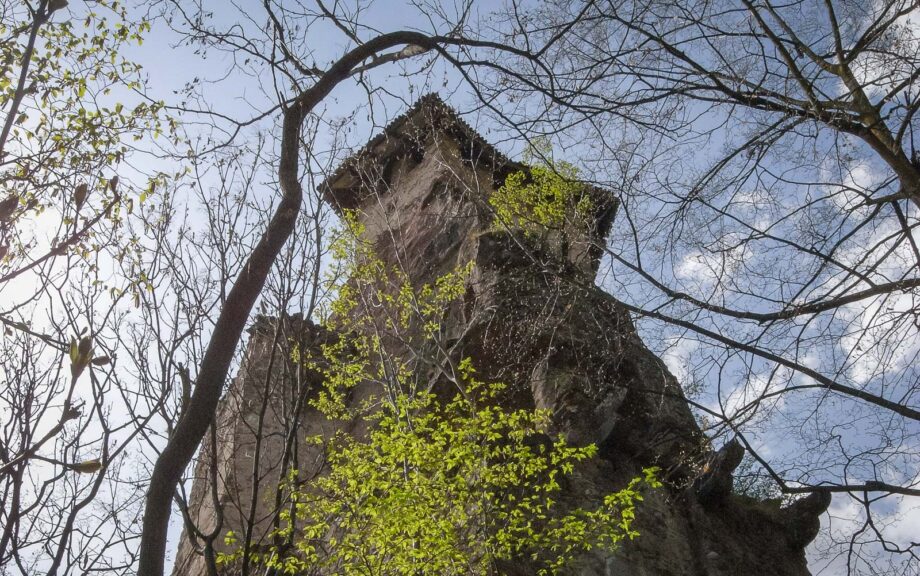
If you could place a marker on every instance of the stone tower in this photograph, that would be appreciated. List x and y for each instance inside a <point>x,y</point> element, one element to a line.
<point>532,318</point>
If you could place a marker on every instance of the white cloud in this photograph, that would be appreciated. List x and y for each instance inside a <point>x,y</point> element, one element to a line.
<point>905,523</point>
<point>859,178</point>
<point>704,271</point>
<point>751,390</point>
<point>678,355</point>
<point>876,71</point>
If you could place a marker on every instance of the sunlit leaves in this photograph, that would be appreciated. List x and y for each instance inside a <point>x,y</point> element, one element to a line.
<point>440,486</point>
<point>544,198</point>
<point>78,117</point>
<point>447,488</point>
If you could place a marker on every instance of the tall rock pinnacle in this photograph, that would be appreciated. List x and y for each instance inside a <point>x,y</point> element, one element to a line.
<point>531,317</point>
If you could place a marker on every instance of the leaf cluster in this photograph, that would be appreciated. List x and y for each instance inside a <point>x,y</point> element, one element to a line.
<point>447,488</point>
<point>437,486</point>
<point>546,197</point>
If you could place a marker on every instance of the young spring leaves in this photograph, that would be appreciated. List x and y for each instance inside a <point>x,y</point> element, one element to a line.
<point>437,486</point>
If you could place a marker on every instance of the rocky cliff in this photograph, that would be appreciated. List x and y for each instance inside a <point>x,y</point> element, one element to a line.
<point>531,317</point>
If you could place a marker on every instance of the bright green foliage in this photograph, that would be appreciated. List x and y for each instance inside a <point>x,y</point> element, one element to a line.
<point>373,283</point>
<point>387,319</point>
<point>544,198</point>
<point>78,118</point>
<point>70,114</point>
<point>447,489</point>
<point>437,486</point>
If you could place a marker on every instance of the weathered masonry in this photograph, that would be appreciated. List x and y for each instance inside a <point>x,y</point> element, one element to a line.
<point>532,318</point>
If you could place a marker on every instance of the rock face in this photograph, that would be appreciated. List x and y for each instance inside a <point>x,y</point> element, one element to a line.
<point>531,317</point>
